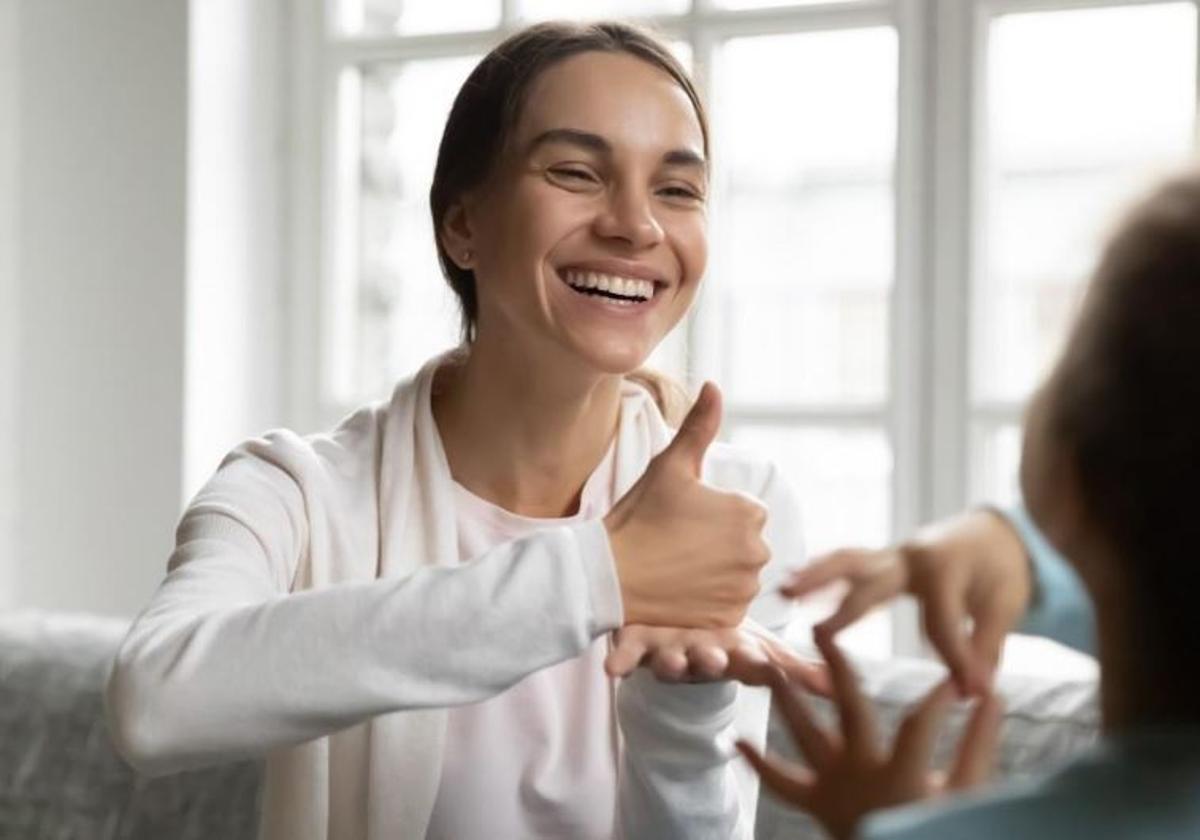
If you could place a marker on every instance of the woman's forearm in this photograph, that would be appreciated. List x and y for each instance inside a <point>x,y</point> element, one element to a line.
<point>676,779</point>
<point>223,664</point>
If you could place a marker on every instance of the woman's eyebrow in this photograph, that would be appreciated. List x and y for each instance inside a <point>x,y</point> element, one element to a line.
<point>595,143</point>
<point>573,136</point>
<point>686,158</point>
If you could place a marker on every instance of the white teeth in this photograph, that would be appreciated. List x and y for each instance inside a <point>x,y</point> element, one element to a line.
<point>631,290</point>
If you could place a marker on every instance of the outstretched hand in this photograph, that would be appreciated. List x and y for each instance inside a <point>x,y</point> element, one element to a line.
<point>750,654</point>
<point>970,575</point>
<point>850,772</point>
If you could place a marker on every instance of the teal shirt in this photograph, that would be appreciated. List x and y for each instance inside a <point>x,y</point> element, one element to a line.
<point>1061,609</point>
<point>1143,784</point>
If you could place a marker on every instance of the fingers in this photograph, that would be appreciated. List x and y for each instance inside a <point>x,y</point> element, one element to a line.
<point>707,663</point>
<point>977,750</point>
<point>992,626</point>
<point>697,431</point>
<point>917,733</point>
<point>749,664</point>
<point>812,676</point>
<point>784,779</point>
<point>943,613</point>
<point>814,743</point>
<point>669,663</point>
<point>629,649</point>
<point>854,711</point>
<point>822,571</point>
<point>862,598</point>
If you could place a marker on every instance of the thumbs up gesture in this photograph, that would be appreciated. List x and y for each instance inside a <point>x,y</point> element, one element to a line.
<point>687,555</point>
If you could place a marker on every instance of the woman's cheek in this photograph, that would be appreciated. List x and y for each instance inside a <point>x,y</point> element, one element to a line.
<point>692,249</point>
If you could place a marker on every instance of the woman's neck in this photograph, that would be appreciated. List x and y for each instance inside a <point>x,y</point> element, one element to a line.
<point>524,439</point>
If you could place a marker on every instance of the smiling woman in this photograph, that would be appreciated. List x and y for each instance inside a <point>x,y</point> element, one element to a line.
<point>410,616</point>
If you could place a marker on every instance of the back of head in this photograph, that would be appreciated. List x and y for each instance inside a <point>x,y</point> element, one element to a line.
<point>1126,408</point>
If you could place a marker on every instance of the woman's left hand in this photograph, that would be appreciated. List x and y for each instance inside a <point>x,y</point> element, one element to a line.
<point>850,772</point>
<point>749,653</point>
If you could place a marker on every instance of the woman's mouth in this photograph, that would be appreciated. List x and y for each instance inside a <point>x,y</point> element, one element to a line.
<point>624,291</point>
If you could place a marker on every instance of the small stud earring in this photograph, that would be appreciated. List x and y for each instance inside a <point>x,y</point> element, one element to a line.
<point>467,256</point>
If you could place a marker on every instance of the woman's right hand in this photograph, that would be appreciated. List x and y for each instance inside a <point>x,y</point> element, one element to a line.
<point>687,554</point>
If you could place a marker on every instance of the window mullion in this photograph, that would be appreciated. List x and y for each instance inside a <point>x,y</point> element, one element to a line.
<point>958,87</point>
<point>911,377</point>
<point>699,321</point>
<point>508,13</point>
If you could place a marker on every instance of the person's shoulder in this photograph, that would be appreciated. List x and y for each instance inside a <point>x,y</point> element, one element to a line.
<point>348,450</point>
<point>1015,810</point>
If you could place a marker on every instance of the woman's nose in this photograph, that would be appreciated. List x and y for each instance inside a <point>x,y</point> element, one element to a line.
<point>629,216</point>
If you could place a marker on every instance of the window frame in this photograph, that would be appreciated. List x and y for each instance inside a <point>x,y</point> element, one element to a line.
<point>928,411</point>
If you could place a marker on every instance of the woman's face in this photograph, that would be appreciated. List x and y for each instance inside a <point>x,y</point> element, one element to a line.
<point>589,240</point>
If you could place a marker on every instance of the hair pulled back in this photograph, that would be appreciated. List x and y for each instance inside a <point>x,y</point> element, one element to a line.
<point>488,105</point>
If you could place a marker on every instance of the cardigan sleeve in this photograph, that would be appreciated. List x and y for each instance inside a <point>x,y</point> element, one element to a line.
<point>226,662</point>
<point>678,777</point>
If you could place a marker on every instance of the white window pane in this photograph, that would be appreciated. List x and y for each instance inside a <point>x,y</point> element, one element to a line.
<point>531,10</point>
<point>996,457</point>
<point>816,331</point>
<point>803,231</point>
<point>843,479</point>
<point>417,17</point>
<point>1083,106</point>
<point>404,311</point>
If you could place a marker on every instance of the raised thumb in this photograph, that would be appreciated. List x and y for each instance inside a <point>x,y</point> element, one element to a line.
<point>697,431</point>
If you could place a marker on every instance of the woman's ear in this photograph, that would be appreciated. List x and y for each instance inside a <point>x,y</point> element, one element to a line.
<point>456,236</point>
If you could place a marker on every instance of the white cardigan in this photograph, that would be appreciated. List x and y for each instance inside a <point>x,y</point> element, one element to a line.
<point>315,611</point>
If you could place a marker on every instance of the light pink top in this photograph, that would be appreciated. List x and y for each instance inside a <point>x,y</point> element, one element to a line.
<point>540,759</point>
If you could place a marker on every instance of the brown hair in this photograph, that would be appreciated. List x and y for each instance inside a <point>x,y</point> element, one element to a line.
<point>1125,404</point>
<point>486,111</point>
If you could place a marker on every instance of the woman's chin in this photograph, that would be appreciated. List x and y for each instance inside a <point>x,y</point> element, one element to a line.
<point>613,358</point>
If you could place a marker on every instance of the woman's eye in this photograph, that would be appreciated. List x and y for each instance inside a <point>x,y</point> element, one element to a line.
<point>686,193</point>
<point>572,174</point>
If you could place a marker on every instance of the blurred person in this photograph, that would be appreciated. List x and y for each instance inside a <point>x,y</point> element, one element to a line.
<point>1112,448</point>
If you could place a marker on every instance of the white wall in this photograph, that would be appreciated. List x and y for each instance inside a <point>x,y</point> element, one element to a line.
<point>102,132</point>
<point>9,298</point>
<point>237,155</point>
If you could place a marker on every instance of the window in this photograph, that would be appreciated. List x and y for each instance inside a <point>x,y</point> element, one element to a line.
<point>907,198</point>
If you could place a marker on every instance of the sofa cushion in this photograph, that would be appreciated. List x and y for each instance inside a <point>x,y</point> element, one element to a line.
<point>59,775</point>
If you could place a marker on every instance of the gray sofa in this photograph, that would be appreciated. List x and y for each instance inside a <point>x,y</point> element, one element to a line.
<point>61,780</point>
<point>59,776</point>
